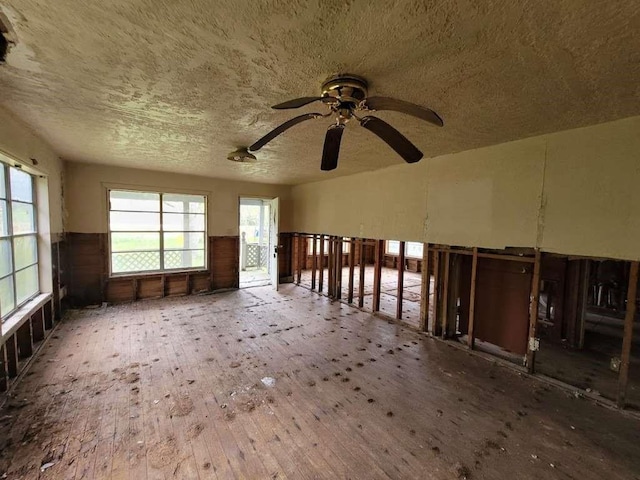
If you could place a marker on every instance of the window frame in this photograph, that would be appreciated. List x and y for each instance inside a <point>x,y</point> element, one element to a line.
<point>12,236</point>
<point>406,254</point>
<point>346,244</point>
<point>161,232</point>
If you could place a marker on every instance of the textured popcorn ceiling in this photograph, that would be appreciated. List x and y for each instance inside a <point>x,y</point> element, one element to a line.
<point>176,85</point>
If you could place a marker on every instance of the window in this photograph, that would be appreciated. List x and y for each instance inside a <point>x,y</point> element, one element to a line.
<point>412,249</point>
<point>345,246</point>
<point>152,232</point>
<point>18,240</point>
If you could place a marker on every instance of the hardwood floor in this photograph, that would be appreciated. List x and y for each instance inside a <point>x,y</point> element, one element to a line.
<point>180,388</point>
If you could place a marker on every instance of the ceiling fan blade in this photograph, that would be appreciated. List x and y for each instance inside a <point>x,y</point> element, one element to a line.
<point>386,103</point>
<point>280,129</point>
<point>403,147</point>
<point>331,148</point>
<point>296,103</point>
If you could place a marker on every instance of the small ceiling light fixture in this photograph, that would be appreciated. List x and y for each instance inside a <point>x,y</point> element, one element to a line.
<point>241,155</point>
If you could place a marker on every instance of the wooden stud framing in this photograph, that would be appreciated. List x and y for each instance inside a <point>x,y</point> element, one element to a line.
<point>37,325</point>
<point>377,274</point>
<point>582,306</point>
<point>330,268</point>
<point>533,313</point>
<point>471,338</point>
<point>444,304</point>
<point>425,289</point>
<point>321,272</point>
<point>627,338</point>
<point>362,274</point>
<point>338,270</point>
<point>435,326</point>
<point>352,254</point>
<point>299,258</point>
<point>4,383</point>
<point>400,291</point>
<point>24,340</point>
<point>11,347</point>
<point>314,261</point>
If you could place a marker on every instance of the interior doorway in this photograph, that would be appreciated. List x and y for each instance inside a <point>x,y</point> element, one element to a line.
<point>258,229</point>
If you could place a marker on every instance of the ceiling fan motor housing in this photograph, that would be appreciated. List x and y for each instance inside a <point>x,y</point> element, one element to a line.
<point>346,89</point>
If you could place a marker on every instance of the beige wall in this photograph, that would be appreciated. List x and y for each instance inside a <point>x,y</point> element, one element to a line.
<point>87,184</point>
<point>21,144</point>
<point>574,192</point>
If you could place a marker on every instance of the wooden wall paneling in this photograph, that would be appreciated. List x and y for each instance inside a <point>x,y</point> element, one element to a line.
<point>400,290</point>
<point>627,338</point>
<point>4,374</point>
<point>321,266</point>
<point>352,257</point>
<point>285,257</point>
<point>472,301</point>
<point>300,239</point>
<point>314,261</point>
<point>174,285</point>
<point>120,290</point>
<point>444,303</point>
<point>533,314</point>
<point>377,273</point>
<point>150,287</point>
<point>37,325</point>
<point>49,314</point>
<point>200,282</point>
<point>425,288</point>
<point>224,262</point>
<point>582,303</point>
<point>87,259</point>
<point>24,340</point>
<point>455,279</point>
<point>11,347</point>
<point>435,325</point>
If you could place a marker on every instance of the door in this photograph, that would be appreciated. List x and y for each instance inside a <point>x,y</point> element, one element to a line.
<point>273,242</point>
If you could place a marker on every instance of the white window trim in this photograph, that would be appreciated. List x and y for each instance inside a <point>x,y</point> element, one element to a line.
<point>17,306</point>
<point>142,273</point>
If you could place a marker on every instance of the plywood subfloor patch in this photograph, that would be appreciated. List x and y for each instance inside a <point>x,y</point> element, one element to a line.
<point>174,388</point>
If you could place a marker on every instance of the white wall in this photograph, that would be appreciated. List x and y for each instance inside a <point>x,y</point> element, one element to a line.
<point>87,184</point>
<point>21,144</point>
<point>573,192</point>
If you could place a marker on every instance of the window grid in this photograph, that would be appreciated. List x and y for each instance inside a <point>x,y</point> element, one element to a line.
<point>412,249</point>
<point>161,232</point>
<point>10,236</point>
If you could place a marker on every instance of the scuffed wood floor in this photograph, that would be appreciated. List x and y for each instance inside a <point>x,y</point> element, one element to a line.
<point>172,389</point>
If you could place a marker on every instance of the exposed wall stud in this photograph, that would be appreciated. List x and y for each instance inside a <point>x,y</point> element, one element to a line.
<point>533,314</point>
<point>471,339</point>
<point>400,291</point>
<point>425,289</point>
<point>627,338</point>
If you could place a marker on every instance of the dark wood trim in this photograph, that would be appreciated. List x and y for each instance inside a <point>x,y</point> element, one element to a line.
<point>627,338</point>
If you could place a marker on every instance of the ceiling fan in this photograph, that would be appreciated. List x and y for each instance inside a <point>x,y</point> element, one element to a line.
<point>345,95</point>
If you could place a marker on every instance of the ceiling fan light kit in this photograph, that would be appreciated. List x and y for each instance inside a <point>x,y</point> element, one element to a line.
<point>346,96</point>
